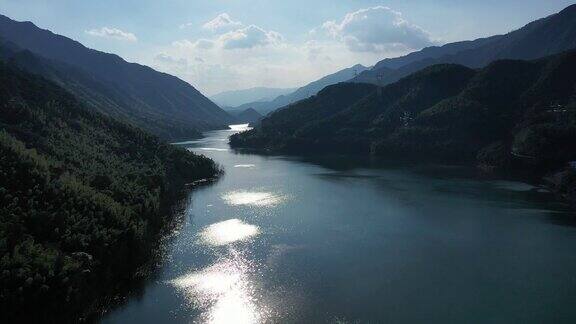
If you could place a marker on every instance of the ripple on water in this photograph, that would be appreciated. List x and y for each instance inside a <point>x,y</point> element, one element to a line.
<point>188,142</point>
<point>513,185</point>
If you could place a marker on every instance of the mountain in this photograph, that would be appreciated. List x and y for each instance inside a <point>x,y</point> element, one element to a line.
<point>432,52</point>
<point>239,97</point>
<point>547,36</point>
<point>262,107</point>
<point>509,110</point>
<point>249,116</point>
<point>265,107</point>
<point>83,199</point>
<point>157,102</point>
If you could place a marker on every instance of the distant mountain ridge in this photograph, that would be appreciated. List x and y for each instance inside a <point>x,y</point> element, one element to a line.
<point>432,52</point>
<point>447,111</point>
<point>236,98</point>
<point>155,101</point>
<point>265,107</point>
<point>249,116</point>
<point>546,36</point>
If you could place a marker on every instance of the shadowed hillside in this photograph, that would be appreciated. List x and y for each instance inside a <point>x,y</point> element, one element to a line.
<point>509,110</point>
<point>547,36</point>
<point>158,102</point>
<point>82,198</point>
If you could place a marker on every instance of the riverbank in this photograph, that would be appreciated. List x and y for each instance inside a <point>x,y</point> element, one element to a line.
<point>131,281</point>
<point>82,199</point>
<point>284,238</point>
<point>559,180</point>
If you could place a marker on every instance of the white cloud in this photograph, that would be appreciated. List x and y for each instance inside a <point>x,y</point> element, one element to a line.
<point>239,39</point>
<point>221,22</point>
<point>204,44</point>
<point>281,65</point>
<point>186,25</point>
<point>378,29</point>
<point>201,44</point>
<point>113,33</point>
<point>249,56</point>
<point>314,50</point>
<point>249,37</point>
<point>164,58</point>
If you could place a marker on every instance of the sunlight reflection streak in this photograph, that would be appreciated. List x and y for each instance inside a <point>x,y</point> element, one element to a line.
<point>252,198</point>
<point>227,232</point>
<point>223,291</point>
<point>240,127</point>
<point>248,166</point>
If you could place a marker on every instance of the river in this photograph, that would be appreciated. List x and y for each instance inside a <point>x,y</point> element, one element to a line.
<point>351,240</point>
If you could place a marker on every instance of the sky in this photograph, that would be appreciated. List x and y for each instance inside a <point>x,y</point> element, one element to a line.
<point>220,45</point>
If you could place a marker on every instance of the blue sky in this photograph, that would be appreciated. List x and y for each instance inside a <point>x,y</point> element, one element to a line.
<point>232,44</point>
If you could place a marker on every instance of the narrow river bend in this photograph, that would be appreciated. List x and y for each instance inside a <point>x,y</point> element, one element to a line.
<point>335,240</point>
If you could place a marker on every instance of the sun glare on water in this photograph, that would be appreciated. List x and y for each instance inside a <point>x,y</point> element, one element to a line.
<point>240,127</point>
<point>213,149</point>
<point>252,198</point>
<point>227,232</point>
<point>246,166</point>
<point>223,292</point>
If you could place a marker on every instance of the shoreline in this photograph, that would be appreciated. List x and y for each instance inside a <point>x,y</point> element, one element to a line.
<point>142,273</point>
<point>544,179</point>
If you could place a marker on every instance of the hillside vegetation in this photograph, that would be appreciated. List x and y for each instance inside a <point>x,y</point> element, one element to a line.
<point>157,102</point>
<point>82,198</point>
<point>510,110</point>
<point>547,36</point>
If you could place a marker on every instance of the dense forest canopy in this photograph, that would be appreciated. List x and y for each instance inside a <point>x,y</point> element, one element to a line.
<point>87,180</point>
<point>446,111</point>
<point>81,195</point>
<point>510,110</point>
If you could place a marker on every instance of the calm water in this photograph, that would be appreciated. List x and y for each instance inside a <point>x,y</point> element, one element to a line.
<point>339,240</point>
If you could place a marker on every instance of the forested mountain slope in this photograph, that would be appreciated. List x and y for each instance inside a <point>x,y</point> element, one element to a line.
<point>512,114</point>
<point>543,37</point>
<point>444,111</point>
<point>82,198</point>
<point>157,102</point>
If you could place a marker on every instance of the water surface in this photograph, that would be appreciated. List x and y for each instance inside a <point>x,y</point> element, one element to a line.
<point>347,240</point>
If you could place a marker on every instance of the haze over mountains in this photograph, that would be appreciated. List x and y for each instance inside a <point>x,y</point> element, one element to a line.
<point>446,111</point>
<point>488,116</point>
<point>171,108</point>
<point>88,178</point>
<point>540,38</point>
<point>157,102</point>
<point>249,116</point>
<point>543,37</point>
<point>304,92</point>
<point>239,97</point>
